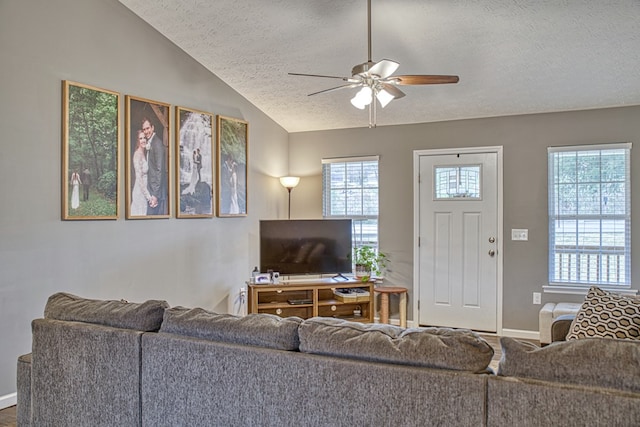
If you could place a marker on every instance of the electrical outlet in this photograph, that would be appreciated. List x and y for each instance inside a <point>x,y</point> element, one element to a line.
<point>537,298</point>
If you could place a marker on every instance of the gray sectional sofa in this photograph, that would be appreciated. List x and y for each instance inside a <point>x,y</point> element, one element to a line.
<point>113,363</point>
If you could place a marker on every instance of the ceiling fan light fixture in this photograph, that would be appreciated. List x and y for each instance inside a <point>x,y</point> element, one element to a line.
<point>357,103</point>
<point>384,97</point>
<point>362,98</point>
<point>377,80</point>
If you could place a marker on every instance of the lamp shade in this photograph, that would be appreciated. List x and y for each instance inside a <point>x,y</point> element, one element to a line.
<point>289,181</point>
<point>362,98</point>
<point>384,97</point>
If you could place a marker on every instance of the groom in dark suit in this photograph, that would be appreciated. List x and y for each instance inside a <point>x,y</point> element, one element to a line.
<point>157,175</point>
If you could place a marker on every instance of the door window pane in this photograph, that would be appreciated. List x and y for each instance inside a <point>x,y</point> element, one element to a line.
<point>457,182</point>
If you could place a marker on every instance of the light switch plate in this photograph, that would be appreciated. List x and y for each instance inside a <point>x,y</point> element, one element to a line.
<point>519,234</point>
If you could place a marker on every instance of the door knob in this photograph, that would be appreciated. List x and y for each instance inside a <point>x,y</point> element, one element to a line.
<point>492,252</point>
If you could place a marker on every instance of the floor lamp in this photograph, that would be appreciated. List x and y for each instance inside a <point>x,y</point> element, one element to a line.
<point>290,182</point>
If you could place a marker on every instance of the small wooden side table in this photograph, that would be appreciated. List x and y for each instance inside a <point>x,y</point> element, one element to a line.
<point>384,292</point>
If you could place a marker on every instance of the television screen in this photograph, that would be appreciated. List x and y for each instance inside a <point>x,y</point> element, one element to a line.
<point>307,246</point>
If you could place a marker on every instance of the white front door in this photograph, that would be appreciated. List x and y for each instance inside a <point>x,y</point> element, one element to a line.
<point>458,240</point>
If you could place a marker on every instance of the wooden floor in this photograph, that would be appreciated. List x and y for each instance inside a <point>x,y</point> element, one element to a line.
<point>8,415</point>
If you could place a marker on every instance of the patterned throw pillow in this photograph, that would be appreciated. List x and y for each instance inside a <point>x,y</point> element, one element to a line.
<point>607,315</point>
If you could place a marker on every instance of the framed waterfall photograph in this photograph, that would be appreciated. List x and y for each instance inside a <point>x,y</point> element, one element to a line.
<point>233,137</point>
<point>194,163</point>
<point>147,158</point>
<point>90,152</point>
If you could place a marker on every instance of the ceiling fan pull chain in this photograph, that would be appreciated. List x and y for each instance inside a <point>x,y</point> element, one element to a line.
<point>372,112</point>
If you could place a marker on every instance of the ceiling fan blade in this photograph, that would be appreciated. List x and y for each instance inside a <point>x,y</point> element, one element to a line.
<point>423,79</point>
<point>335,88</point>
<point>384,68</point>
<point>397,93</point>
<point>346,79</point>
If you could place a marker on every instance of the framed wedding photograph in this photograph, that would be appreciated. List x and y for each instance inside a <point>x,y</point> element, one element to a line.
<point>233,137</point>
<point>147,159</point>
<point>194,163</point>
<point>90,152</point>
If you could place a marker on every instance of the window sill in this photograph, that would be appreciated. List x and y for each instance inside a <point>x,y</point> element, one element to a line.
<point>582,290</point>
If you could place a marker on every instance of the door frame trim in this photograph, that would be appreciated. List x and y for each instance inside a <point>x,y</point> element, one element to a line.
<point>416,223</point>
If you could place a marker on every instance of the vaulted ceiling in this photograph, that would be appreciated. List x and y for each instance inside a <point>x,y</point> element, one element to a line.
<point>512,56</point>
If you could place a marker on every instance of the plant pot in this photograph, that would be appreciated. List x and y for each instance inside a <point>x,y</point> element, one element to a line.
<point>362,272</point>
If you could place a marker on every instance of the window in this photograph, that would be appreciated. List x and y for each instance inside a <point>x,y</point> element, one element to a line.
<point>590,215</point>
<point>350,190</point>
<point>457,182</point>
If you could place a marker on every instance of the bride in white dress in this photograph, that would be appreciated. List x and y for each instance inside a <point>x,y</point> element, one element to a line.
<point>140,195</point>
<point>75,190</point>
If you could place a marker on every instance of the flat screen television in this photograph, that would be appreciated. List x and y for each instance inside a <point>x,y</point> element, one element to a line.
<point>305,246</point>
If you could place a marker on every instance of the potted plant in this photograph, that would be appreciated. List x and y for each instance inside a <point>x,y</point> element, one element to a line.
<point>368,262</point>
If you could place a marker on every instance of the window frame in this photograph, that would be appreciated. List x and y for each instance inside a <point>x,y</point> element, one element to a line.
<point>580,286</point>
<point>358,220</point>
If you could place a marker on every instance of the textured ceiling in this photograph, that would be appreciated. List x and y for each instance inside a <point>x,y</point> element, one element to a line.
<point>512,56</point>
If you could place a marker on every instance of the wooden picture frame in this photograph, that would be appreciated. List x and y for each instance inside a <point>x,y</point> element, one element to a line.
<point>90,152</point>
<point>147,166</point>
<point>194,163</point>
<point>233,140</point>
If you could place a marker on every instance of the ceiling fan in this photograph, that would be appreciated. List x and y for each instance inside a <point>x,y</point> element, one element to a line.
<point>377,81</point>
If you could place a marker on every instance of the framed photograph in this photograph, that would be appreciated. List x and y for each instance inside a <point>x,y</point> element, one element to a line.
<point>147,154</point>
<point>194,163</point>
<point>233,137</point>
<point>90,152</point>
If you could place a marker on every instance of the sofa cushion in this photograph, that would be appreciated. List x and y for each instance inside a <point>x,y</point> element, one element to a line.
<point>146,316</point>
<point>444,348</point>
<point>260,329</point>
<point>591,361</point>
<point>23,382</point>
<point>607,315</point>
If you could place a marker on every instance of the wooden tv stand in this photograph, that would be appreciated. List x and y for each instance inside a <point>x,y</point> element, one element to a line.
<point>314,298</point>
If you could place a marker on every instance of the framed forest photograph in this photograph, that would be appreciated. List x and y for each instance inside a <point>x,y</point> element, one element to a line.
<point>147,155</point>
<point>194,163</point>
<point>233,137</point>
<point>90,152</point>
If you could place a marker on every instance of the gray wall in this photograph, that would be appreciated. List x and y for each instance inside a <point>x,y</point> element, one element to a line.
<point>192,262</point>
<point>525,140</point>
<point>200,262</point>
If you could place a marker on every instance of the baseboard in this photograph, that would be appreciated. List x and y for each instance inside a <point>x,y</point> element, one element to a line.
<point>8,400</point>
<point>518,333</point>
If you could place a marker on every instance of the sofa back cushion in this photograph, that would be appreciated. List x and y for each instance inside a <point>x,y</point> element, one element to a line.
<point>601,362</point>
<point>146,316</point>
<point>443,348</point>
<point>261,330</point>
